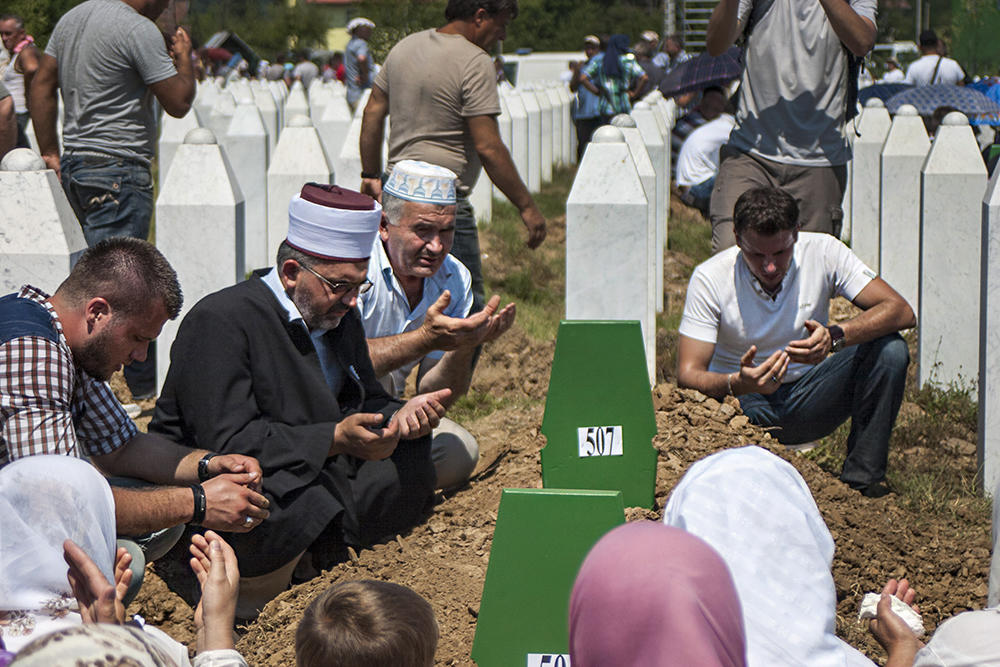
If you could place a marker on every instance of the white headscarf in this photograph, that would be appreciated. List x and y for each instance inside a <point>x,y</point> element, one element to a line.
<point>45,500</point>
<point>757,512</point>
<point>971,639</point>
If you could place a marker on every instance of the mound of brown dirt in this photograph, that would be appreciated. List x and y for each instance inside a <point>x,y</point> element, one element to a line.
<point>445,559</point>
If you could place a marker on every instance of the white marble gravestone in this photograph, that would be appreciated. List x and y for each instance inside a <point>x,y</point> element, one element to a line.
<point>298,159</point>
<point>221,114</point>
<point>269,114</point>
<point>246,147</point>
<point>866,185</point>
<point>199,228</point>
<point>278,93</point>
<point>953,181</point>
<point>545,114</point>
<point>40,237</point>
<point>609,267</point>
<point>533,177</point>
<point>319,96</point>
<point>172,133</point>
<point>296,103</point>
<point>569,138</point>
<point>989,357</point>
<point>659,154</point>
<point>903,156</point>
<point>519,134</point>
<point>993,599</point>
<point>204,99</point>
<point>347,166</point>
<point>560,126</point>
<point>333,128</point>
<point>504,125</point>
<point>362,102</point>
<point>654,188</point>
<point>481,198</point>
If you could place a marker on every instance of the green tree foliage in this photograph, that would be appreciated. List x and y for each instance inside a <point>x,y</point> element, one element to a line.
<point>541,25</point>
<point>975,26</point>
<point>40,16</point>
<point>269,27</point>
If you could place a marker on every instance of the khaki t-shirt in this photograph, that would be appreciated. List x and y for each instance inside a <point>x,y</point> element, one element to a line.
<point>435,81</point>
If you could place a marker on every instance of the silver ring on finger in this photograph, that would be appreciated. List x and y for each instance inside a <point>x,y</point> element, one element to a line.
<point>774,379</point>
<point>248,521</point>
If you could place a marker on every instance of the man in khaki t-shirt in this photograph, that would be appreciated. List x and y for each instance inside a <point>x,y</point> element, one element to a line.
<point>438,88</point>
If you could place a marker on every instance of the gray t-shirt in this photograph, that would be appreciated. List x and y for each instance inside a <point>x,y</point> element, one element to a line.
<point>3,91</point>
<point>355,48</point>
<point>108,54</point>
<point>794,86</point>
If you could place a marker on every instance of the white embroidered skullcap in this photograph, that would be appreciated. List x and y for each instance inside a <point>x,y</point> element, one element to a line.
<point>422,182</point>
<point>592,39</point>
<point>356,23</point>
<point>333,223</point>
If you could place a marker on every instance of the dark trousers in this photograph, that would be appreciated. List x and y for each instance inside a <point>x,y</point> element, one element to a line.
<point>864,382</point>
<point>584,131</point>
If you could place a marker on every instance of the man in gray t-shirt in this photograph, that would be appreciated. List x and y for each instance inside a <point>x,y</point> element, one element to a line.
<point>109,60</point>
<point>357,60</point>
<point>792,103</point>
<point>8,122</point>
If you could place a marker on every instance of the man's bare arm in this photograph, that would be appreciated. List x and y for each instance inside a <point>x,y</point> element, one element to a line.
<point>28,62</point>
<point>501,170</point>
<point>372,133</point>
<point>44,105</point>
<point>452,371</point>
<point>8,126</point>
<point>885,311</point>
<point>176,94</point>
<point>856,32</point>
<point>724,27</point>
<point>391,352</point>
<point>693,358</point>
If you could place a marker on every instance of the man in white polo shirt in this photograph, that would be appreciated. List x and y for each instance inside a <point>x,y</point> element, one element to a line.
<point>755,326</point>
<point>417,312</point>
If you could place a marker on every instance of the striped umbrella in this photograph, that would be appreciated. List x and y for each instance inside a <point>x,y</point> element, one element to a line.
<point>980,109</point>
<point>703,71</point>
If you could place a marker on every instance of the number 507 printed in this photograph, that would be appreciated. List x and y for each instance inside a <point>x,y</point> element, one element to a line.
<point>548,660</point>
<point>600,440</point>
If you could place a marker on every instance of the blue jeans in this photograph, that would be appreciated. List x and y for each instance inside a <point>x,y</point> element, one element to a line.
<point>864,382</point>
<point>465,248</point>
<point>113,196</point>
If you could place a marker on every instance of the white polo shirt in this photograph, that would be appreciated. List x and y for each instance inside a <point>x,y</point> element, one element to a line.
<point>727,306</point>
<point>920,71</point>
<point>385,310</point>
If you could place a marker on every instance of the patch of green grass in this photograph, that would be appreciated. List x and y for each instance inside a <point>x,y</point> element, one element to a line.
<point>690,234</point>
<point>476,404</point>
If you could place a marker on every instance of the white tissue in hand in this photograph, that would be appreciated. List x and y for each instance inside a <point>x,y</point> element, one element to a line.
<point>912,619</point>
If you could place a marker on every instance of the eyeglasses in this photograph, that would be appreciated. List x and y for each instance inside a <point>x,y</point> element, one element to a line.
<point>341,288</point>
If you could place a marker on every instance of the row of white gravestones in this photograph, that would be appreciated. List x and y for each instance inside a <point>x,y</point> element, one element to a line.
<point>952,184</point>
<point>608,265</point>
<point>872,128</point>
<point>200,227</point>
<point>40,238</point>
<point>658,147</point>
<point>903,156</point>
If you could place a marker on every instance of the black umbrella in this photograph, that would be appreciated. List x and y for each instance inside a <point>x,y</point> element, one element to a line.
<point>883,91</point>
<point>703,71</point>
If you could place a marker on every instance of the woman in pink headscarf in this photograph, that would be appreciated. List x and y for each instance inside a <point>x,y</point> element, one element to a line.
<point>653,595</point>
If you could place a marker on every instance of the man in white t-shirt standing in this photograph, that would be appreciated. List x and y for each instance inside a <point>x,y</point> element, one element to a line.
<point>755,326</point>
<point>793,100</point>
<point>932,66</point>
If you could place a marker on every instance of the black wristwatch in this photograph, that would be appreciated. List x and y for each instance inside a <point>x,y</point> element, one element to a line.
<point>203,474</point>
<point>836,338</point>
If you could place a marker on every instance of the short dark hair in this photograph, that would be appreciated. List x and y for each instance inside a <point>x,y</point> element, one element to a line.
<point>928,38</point>
<point>18,21</point>
<point>367,624</point>
<point>766,211</point>
<point>131,274</point>
<point>287,252</point>
<point>458,10</point>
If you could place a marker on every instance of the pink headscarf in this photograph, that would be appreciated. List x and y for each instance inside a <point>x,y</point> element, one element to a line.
<point>649,594</point>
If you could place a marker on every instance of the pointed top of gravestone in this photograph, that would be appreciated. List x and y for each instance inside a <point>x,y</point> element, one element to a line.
<point>641,104</point>
<point>955,118</point>
<point>22,159</point>
<point>608,135</point>
<point>874,103</point>
<point>300,120</point>
<point>907,110</point>
<point>623,120</point>
<point>200,135</point>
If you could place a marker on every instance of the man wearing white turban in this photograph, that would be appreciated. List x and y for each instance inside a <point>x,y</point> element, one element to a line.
<point>278,365</point>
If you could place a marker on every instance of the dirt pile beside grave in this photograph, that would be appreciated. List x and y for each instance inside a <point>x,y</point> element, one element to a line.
<point>445,559</point>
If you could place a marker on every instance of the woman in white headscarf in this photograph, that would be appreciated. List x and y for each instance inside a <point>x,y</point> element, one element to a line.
<point>756,511</point>
<point>45,500</point>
